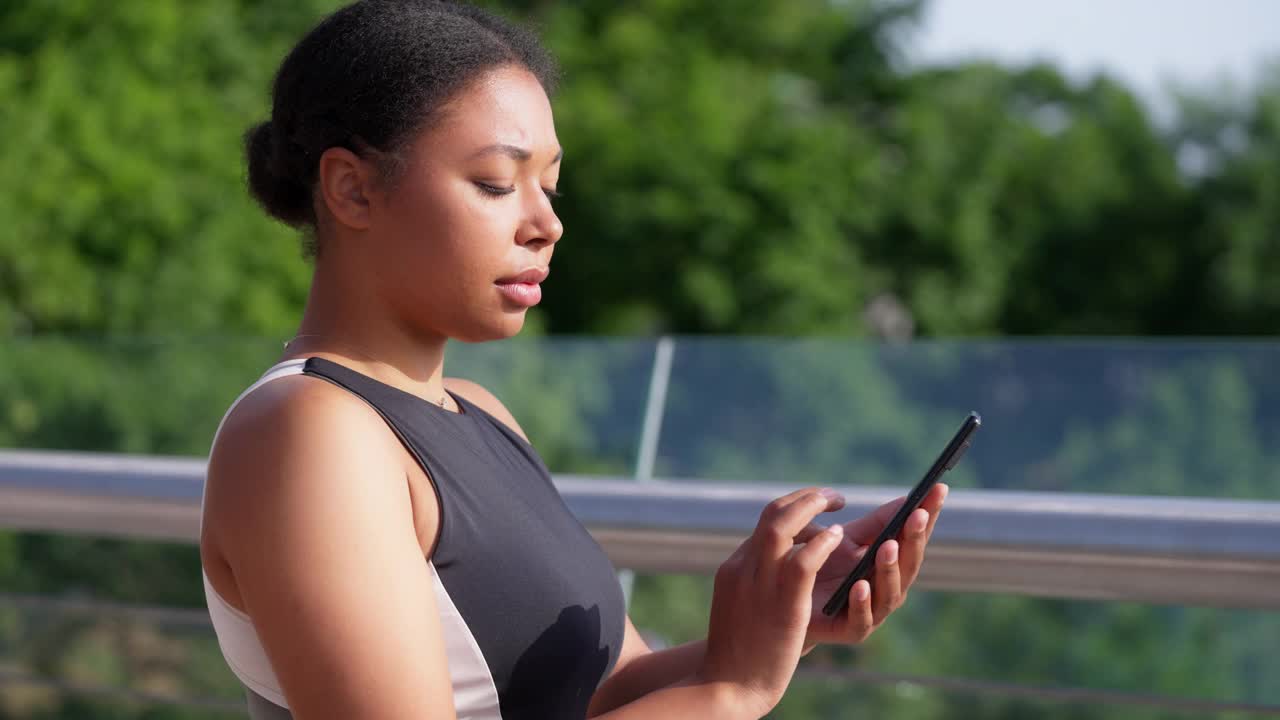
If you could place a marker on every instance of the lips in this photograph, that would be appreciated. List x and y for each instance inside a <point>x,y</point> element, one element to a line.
<point>532,276</point>
<point>523,288</point>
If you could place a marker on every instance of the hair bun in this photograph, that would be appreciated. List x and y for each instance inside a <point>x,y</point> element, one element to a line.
<point>283,195</point>
<point>375,73</point>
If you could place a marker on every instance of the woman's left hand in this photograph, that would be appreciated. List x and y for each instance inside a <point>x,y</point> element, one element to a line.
<point>897,565</point>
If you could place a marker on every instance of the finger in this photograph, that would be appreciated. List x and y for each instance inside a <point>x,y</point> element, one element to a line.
<point>801,570</point>
<point>791,497</point>
<point>911,552</point>
<point>837,502</point>
<point>848,549</point>
<point>767,515</point>
<point>865,529</point>
<point>781,523</point>
<point>861,617</point>
<point>887,588</point>
<point>933,503</point>
<point>814,528</point>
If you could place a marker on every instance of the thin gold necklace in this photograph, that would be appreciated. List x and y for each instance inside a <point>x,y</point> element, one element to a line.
<point>442,402</point>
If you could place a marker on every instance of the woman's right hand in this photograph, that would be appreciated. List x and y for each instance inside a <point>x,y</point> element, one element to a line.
<point>763,598</point>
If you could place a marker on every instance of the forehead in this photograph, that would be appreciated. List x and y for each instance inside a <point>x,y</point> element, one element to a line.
<point>507,105</point>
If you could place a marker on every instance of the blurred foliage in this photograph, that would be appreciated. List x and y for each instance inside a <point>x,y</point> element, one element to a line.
<point>769,167</point>
<point>731,168</point>
<point>77,663</point>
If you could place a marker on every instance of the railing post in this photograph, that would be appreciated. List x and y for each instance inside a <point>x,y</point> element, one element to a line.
<point>650,432</point>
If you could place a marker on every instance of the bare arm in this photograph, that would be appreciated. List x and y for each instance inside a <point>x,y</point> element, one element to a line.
<point>690,699</point>
<point>640,671</point>
<point>315,521</point>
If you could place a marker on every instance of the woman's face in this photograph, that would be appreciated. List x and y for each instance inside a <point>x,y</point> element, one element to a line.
<point>467,232</point>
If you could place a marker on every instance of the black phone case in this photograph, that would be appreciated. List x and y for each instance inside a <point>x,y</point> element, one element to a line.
<point>947,460</point>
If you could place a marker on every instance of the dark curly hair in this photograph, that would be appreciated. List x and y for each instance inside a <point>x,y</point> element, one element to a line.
<point>369,78</point>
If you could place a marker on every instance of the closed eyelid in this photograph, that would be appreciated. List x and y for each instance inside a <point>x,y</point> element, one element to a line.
<point>497,190</point>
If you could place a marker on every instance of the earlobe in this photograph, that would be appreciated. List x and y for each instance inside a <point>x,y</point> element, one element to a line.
<point>343,179</point>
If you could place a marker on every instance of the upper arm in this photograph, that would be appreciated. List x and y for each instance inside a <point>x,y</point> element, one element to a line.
<point>478,395</point>
<point>633,646</point>
<point>610,695</point>
<point>327,560</point>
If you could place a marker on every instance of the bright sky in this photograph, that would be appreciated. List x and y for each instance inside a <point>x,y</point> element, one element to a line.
<point>1143,41</point>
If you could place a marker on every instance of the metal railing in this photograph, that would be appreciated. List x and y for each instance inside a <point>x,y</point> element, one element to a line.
<point>1155,549</point>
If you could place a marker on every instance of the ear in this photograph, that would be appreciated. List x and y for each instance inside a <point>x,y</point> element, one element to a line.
<point>345,182</point>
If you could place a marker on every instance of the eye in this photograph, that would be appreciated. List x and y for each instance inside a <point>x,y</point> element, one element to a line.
<point>494,190</point>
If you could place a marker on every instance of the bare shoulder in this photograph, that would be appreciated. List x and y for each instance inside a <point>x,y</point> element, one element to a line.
<point>313,514</point>
<point>282,430</point>
<point>487,401</point>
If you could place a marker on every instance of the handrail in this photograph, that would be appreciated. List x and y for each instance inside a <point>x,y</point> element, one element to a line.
<point>1194,551</point>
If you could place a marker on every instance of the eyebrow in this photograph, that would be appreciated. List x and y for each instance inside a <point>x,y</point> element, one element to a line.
<point>517,153</point>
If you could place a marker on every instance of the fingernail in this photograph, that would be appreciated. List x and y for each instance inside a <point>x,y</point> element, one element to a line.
<point>830,494</point>
<point>891,555</point>
<point>836,530</point>
<point>946,490</point>
<point>861,592</point>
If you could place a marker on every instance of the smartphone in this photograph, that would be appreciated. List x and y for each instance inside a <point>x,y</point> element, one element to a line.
<point>947,460</point>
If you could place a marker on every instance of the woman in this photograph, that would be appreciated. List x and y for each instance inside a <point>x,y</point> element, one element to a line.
<point>379,541</point>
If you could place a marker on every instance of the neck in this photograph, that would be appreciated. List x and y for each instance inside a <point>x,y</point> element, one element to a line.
<point>348,325</point>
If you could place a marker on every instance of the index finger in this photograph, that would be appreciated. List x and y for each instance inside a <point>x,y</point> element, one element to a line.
<point>781,522</point>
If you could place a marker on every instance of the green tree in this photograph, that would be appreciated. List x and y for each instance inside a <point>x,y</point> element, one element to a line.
<point>731,168</point>
<point>122,173</point>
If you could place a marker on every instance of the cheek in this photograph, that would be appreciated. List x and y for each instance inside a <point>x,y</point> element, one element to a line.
<point>452,235</point>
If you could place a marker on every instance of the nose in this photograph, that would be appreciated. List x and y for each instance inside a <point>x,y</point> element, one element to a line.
<point>541,224</point>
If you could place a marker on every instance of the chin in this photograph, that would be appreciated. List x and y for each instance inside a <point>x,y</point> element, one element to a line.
<point>508,324</point>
